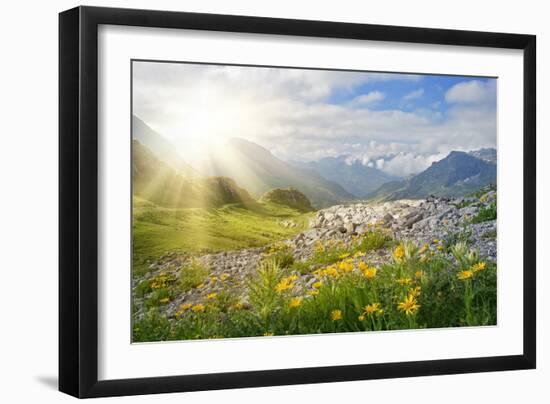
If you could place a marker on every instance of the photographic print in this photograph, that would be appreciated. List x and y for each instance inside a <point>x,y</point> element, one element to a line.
<point>273,201</point>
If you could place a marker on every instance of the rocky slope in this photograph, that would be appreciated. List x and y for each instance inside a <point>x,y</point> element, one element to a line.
<point>446,219</point>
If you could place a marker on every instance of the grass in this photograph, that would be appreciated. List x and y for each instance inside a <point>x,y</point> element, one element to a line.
<point>157,230</point>
<point>192,275</point>
<point>419,287</point>
<point>486,213</point>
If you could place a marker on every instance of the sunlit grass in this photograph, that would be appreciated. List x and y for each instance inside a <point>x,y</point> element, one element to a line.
<point>157,231</point>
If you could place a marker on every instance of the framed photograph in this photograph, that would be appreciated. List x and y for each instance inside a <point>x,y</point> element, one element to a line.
<point>250,201</point>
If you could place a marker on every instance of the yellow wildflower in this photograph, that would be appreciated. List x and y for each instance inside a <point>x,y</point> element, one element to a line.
<point>286,283</point>
<point>295,302</point>
<point>345,266</point>
<point>336,315</point>
<point>344,255</point>
<point>399,252</point>
<point>164,300</point>
<point>185,306</point>
<point>198,308</point>
<point>214,279</point>
<point>404,281</point>
<point>439,247</point>
<point>423,249</point>
<point>418,274</point>
<point>224,276</point>
<point>317,285</point>
<point>330,271</point>
<point>359,254</point>
<point>211,296</point>
<point>200,286</point>
<point>415,292</point>
<point>436,241</point>
<point>238,306</point>
<point>368,272</point>
<point>409,306</point>
<point>313,292</point>
<point>372,308</point>
<point>464,275</point>
<point>480,266</point>
<point>361,318</point>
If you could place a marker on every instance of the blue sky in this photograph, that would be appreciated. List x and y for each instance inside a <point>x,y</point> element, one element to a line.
<point>399,123</point>
<point>426,93</point>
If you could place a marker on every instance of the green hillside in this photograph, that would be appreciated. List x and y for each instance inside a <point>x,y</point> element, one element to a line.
<point>155,181</point>
<point>290,197</point>
<point>158,230</point>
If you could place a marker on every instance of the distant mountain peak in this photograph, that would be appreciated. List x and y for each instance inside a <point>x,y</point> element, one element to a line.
<point>457,174</point>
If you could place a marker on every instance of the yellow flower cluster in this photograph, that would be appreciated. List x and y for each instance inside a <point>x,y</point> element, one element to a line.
<point>368,272</point>
<point>182,309</point>
<point>211,296</point>
<point>286,283</point>
<point>469,273</point>
<point>198,308</point>
<point>346,266</point>
<point>162,280</point>
<point>399,252</point>
<point>330,271</point>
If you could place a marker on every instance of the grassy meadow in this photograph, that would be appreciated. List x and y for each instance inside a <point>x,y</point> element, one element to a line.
<point>158,230</point>
<point>431,285</point>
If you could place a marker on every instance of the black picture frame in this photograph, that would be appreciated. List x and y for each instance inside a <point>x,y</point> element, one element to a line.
<point>78,200</point>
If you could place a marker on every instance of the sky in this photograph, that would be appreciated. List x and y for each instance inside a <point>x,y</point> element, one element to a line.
<point>399,123</point>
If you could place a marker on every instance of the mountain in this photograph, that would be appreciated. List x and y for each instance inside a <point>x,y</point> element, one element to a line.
<point>160,146</point>
<point>259,171</point>
<point>457,174</point>
<point>487,154</point>
<point>155,181</point>
<point>356,178</point>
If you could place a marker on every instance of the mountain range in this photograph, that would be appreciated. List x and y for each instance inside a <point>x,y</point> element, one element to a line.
<point>258,170</point>
<point>457,174</point>
<point>242,171</point>
<point>355,177</point>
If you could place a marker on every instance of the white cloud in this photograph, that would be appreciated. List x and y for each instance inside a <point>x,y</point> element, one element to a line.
<point>405,164</point>
<point>413,95</point>
<point>288,111</point>
<point>369,98</point>
<point>472,92</point>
